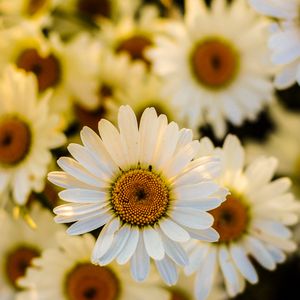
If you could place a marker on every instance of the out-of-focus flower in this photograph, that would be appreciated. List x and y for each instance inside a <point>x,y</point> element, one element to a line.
<point>65,272</point>
<point>131,35</point>
<point>115,78</point>
<point>184,290</point>
<point>144,185</point>
<point>251,222</point>
<point>284,38</point>
<point>67,68</point>
<point>214,62</point>
<point>27,133</point>
<point>20,244</point>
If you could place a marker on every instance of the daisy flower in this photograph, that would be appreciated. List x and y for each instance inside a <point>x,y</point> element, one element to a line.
<point>144,186</point>
<point>131,35</point>
<point>66,273</point>
<point>57,65</point>
<point>27,133</point>
<point>20,244</point>
<point>252,222</point>
<point>213,62</point>
<point>115,77</point>
<point>284,40</point>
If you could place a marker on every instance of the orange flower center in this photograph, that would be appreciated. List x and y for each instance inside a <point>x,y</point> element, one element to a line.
<point>214,63</point>
<point>15,140</point>
<point>90,282</point>
<point>46,69</point>
<point>135,46</point>
<point>178,295</point>
<point>95,8</point>
<point>17,263</point>
<point>231,219</point>
<point>140,197</point>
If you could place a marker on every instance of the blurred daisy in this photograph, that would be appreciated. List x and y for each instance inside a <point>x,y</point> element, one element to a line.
<point>147,93</point>
<point>115,77</point>
<point>131,35</point>
<point>184,290</point>
<point>57,65</point>
<point>251,222</point>
<point>213,62</point>
<point>27,133</point>
<point>66,273</point>
<point>20,244</point>
<point>284,38</point>
<point>144,185</point>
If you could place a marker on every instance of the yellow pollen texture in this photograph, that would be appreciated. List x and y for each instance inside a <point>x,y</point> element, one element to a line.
<point>231,219</point>
<point>140,197</point>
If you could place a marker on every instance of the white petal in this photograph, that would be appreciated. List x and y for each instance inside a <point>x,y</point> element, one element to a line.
<point>229,272</point>
<point>205,276</point>
<point>205,204</point>
<point>105,239</point>
<point>206,235</point>
<point>259,252</point>
<point>112,142</point>
<point>197,258</point>
<point>167,270</point>
<point>175,251</point>
<point>72,167</point>
<point>243,263</point>
<point>130,246</point>
<point>71,209</point>
<point>129,133</point>
<point>83,196</point>
<point>174,231</point>
<point>153,243</point>
<point>88,225</point>
<point>140,261</point>
<point>192,218</point>
<point>196,191</point>
<point>119,241</point>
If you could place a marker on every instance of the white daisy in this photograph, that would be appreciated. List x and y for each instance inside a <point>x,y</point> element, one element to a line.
<point>144,185</point>
<point>284,40</point>
<point>67,68</point>
<point>66,273</point>
<point>19,244</point>
<point>27,133</point>
<point>115,77</point>
<point>132,35</point>
<point>251,222</point>
<point>213,62</point>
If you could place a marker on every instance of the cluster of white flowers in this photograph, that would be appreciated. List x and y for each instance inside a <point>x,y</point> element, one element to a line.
<point>129,112</point>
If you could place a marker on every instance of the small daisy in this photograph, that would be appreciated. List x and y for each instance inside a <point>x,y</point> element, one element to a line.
<point>213,62</point>
<point>66,273</point>
<point>115,77</point>
<point>251,222</point>
<point>67,68</point>
<point>131,35</point>
<point>27,133</point>
<point>19,244</point>
<point>144,185</point>
<point>284,40</point>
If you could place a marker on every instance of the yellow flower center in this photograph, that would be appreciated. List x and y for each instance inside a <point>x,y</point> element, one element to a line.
<point>214,63</point>
<point>15,140</point>
<point>135,46</point>
<point>230,219</point>
<point>90,282</point>
<point>35,5</point>
<point>17,263</point>
<point>140,197</point>
<point>46,69</point>
<point>95,8</point>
